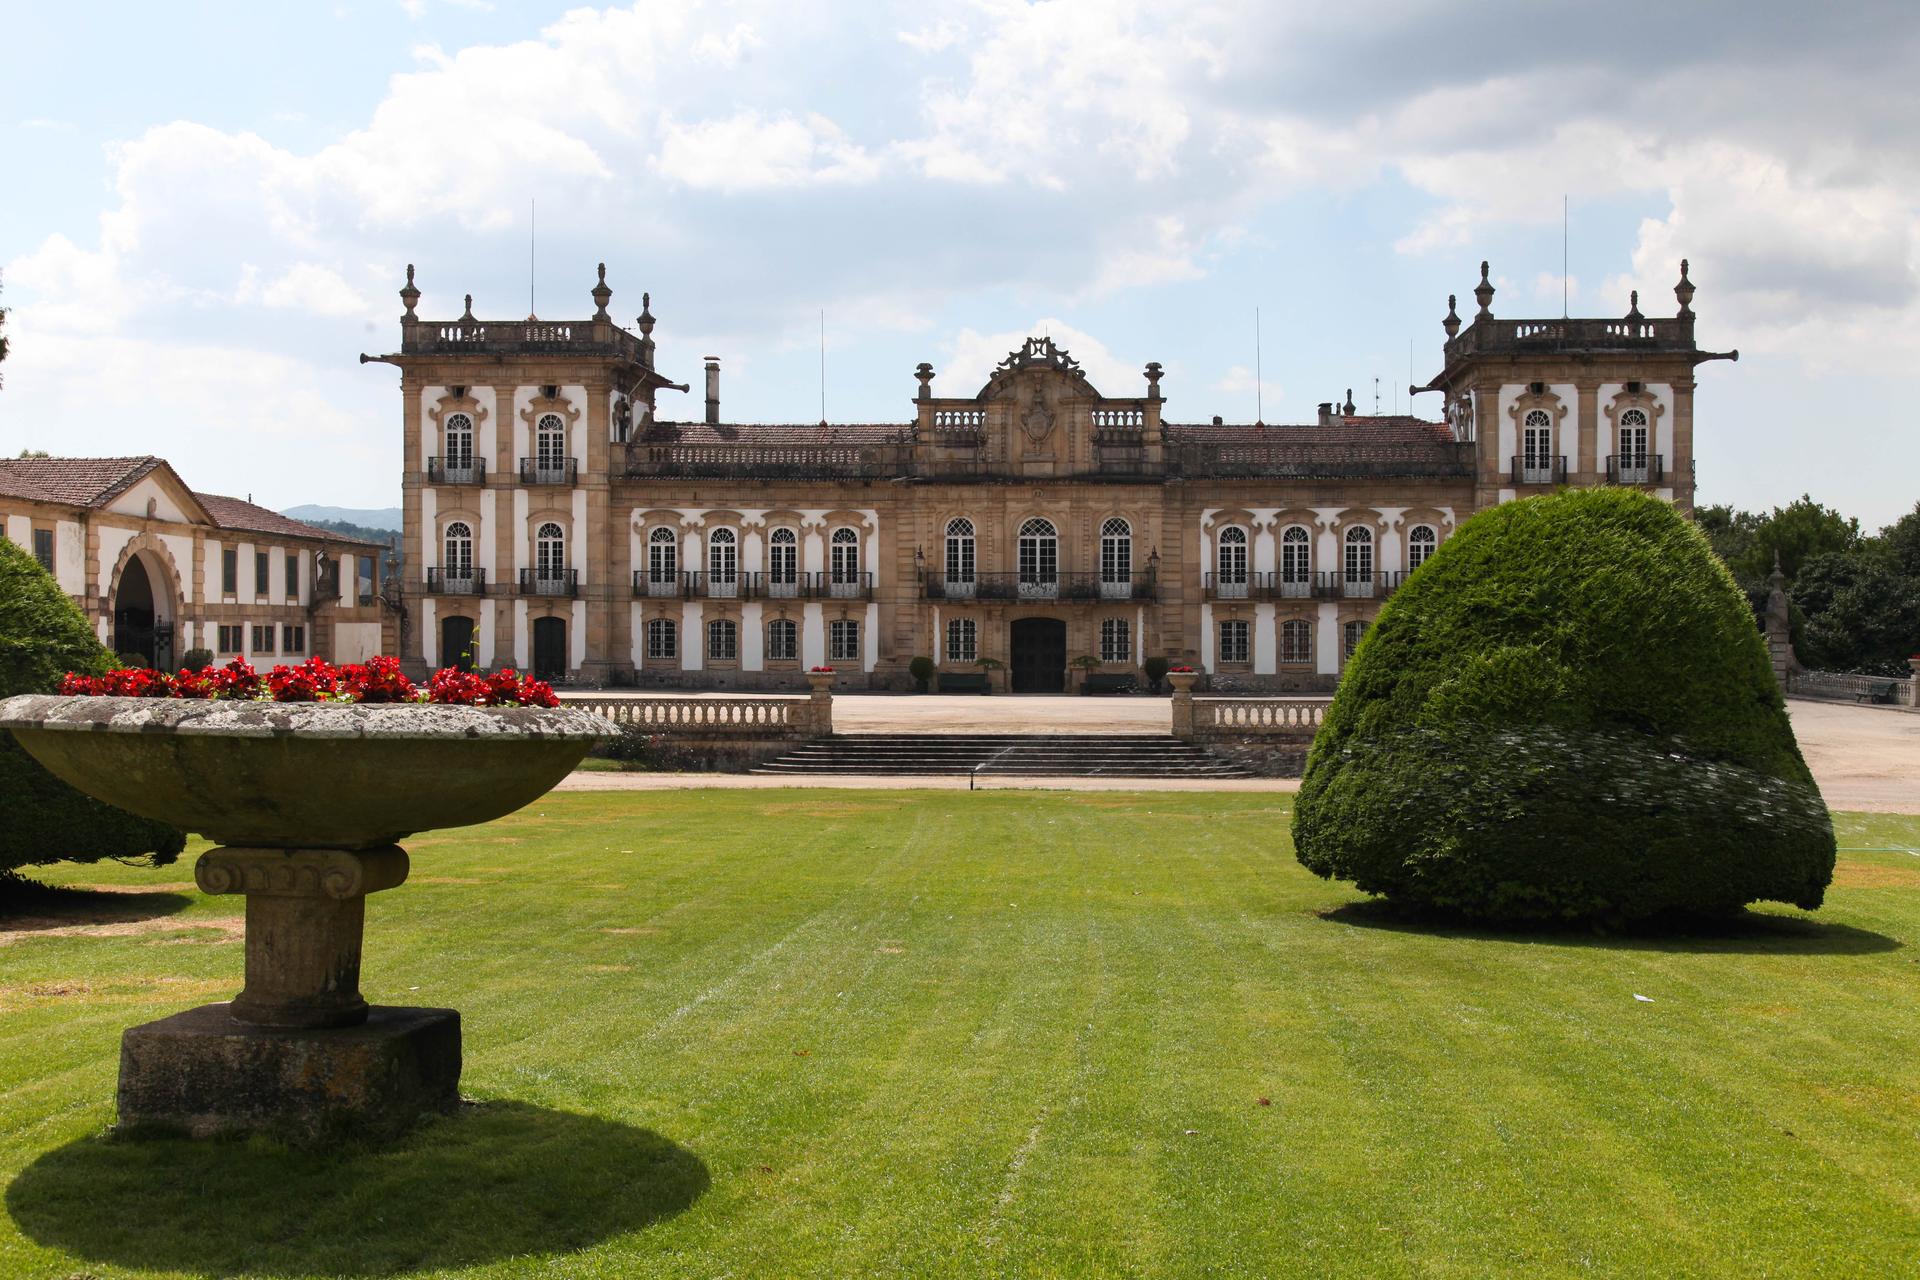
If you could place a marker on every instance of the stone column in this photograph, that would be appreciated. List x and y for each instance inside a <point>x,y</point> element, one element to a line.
<point>1182,682</point>
<point>1913,685</point>
<point>306,914</point>
<point>820,703</point>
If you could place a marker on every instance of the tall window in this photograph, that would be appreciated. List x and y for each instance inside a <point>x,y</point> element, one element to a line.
<point>843,640</point>
<point>783,640</point>
<point>1420,544</point>
<point>845,562</point>
<point>1536,448</point>
<point>1115,642</point>
<point>261,561</point>
<point>960,565</point>
<point>723,562</point>
<point>459,558</point>
<point>1039,558</point>
<point>1353,632</point>
<point>1633,446</point>
<point>228,637</point>
<point>1230,559</point>
<point>293,577</point>
<point>43,549</point>
<point>1296,641</point>
<point>549,553</point>
<point>1296,563</point>
<point>723,640</point>
<point>963,640</point>
<point>263,637</point>
<point>1359,561</point>
<point>663,561</point>
<point>1235,641</point>
<point>550,444</point>
<point>1116,559</point>
<point>783,563</point>
<point>661,637</point>
<point>293,639</point>
<point>229,571</point>
<point>459,442</point>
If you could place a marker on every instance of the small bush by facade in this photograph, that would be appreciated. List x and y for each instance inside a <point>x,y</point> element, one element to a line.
<point>1567,714</point>
<point>42,637</point>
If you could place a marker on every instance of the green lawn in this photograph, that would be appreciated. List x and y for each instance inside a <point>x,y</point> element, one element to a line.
<point>782,1033</point>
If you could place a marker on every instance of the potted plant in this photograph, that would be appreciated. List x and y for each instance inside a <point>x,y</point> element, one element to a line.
<point>306,779</point>
<point>820,678</point>
<point>1182,678</point>
<point>1156,668</point>
<point>921,669</point>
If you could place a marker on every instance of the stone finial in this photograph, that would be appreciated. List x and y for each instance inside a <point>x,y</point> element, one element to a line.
<point>924,372</point>
<point>1484,292</point>
<point>602,295</point>
<point>409,295</point>
<point>1684,292</point>
<point>1154,374</point>
<point>1633,311</point>
<point>1452,323</point>
<point>466,317</point>
<point>646,313</point>
<point>1347,407</point>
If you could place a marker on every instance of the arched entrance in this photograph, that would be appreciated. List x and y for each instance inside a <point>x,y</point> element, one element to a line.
<point>550,648</point>
<point>456,643</point>
<point>143,614</point>
<point>1039,652</point>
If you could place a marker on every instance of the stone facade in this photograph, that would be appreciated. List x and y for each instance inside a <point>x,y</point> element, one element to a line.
<point>159,569</point>
<point>557,521</point>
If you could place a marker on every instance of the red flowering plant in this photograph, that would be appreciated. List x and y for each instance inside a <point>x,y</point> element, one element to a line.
<point>314,680</point>
<point>378,680</point>
<point>1180,671</point>
<point>821,671</point>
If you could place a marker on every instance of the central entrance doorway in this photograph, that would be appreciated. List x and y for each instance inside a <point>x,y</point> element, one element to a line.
<point>1039,655</point>
<point>140,627</point>
<point>549,648</point>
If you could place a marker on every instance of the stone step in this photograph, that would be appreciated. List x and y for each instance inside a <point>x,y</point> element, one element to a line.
<point>1022,755</point>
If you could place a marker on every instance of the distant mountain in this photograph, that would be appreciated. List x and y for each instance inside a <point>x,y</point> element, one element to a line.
<point>385,519</point>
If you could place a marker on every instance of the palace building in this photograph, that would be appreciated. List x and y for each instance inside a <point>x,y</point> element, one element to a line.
<point>559,520</point>
<point>159,569</point>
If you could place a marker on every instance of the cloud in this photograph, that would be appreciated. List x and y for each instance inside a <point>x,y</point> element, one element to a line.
<point>747,151</point>
<point>972,357</point>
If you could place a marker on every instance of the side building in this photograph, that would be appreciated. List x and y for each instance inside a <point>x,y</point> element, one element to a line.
<point>159,569</point>
<point>558,522</point>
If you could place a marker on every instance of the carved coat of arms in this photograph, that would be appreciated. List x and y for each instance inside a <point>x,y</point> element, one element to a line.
<point>1037,421</point>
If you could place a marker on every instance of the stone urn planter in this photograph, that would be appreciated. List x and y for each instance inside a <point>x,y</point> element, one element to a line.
<point>820,681</point>
<point>1182,681</point>
<point>307,803</point>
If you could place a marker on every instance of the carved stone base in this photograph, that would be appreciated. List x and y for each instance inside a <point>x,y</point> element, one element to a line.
<point>203,1074</point>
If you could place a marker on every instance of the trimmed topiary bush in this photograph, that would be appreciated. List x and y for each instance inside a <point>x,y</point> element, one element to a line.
<point>42,637</point>
<point>921,669</point>
<point>1566,714</point>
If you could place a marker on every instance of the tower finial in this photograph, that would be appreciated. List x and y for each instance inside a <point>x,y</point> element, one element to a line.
<point>1452,323</point>
<point>409,295</point>
<point>1684,292</point>
<point>602,295</point>
<point>1633,311</point>
<point>1484,292</point>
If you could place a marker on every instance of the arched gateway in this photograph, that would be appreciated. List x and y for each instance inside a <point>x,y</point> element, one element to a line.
<point>143,611</point>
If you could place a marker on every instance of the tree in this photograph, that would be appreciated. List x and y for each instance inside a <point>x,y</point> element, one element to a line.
<point>1899,542</point>
<point>1859,613</point>
<point>43,635</point>
<point>1567,714</point>
<point>1795,533</point>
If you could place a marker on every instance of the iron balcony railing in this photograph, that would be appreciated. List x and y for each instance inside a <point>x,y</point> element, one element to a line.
<point>456,582</point>
<point>1087,586</point>
<point>658,583</point>
<point>1639,468</point>
<point>534,471</point>
<point>459,471</point>
<point>1539,470</point>
<point>1327,584</point>
<point>759,585</point>
<point>549,582</point>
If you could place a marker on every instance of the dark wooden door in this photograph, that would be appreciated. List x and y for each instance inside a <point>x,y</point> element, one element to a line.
<point>550,648</point>
<point>1039,655</point>
<point>456,643</point>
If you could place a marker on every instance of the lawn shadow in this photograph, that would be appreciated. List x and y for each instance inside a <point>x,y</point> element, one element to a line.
<point>27,906</point>
<point>497,1180</point>
<point>1744,932</point>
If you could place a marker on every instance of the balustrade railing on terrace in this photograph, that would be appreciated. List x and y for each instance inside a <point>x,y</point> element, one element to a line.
<point>1539,470</point>
<point>1278,716</point>
<point>1205,460</point>
<point>1057,586</point>
<point>744,716</point>
<point>1674,334</point>
<point>1847,687</point>
<point>456,582</point>
<point>505,337</point>
<point>876,461</point>
<point>457,471</point>
<point>549,582</point>
<point>1327,584</point>
<point>1642,468</point>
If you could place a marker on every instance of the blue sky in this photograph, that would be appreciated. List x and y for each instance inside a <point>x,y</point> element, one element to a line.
<point>212,206</point>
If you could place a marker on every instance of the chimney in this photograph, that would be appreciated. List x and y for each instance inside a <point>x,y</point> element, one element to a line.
<point>713,389</point>
<point>1326,413</point>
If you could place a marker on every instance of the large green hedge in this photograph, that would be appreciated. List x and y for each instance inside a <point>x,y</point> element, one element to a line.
<point>1567,713</point>
<point>42,637</point>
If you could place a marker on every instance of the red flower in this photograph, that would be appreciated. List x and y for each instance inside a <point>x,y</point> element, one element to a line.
<point>75,685</point>
<point>237,679</point>
<point>379,680</point>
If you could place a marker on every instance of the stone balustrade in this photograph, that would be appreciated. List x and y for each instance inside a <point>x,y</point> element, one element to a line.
<point>746,717</point>
<point>1841,686</point>
<point>1247,716</point>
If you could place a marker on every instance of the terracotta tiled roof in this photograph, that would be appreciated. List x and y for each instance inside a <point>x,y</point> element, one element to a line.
<point>233,513</point>
<point>1358,430</point>
<point>776,434</point>
<point>79,482</point>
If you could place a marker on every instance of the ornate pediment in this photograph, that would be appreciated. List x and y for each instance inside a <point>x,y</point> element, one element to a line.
<point>1039,353</point>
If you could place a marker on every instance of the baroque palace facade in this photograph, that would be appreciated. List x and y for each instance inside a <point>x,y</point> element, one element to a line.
<point>560,523</point>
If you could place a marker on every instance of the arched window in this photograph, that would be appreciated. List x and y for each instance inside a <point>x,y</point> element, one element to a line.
<point>959,559</point>
<point>1358,567</point>
<point>1116,559</point>
<point>1633,446</point>
<point>1235,641</point>
<point>550,444</point>
<point>459,442</point>
<point>783,640</point>
<point>1039,559</point>
<point>1230,561</point>
<point>1536,448</point>
<point>723,640</point>
<point>844,563</point>
<point>783,563</point>
<point>663,561</point>
<point>1421,541</point>
<point>963,640</point>
<point>661,640</point>
<point>459,557</point>
<point>1116,643</point>
<point>1296,562</point>
<point>549,553</point>
<point>723,562</point>
<point>1296,641</point>
<point>1353,632</point>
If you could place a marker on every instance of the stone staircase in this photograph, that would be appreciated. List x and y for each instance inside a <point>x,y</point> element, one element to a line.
<point>1004,755</point>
